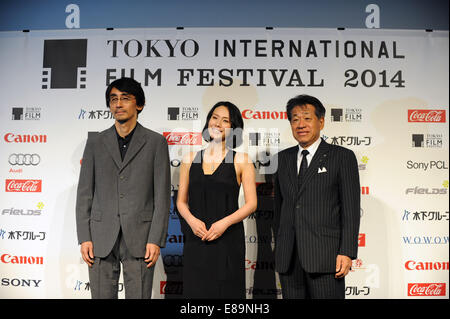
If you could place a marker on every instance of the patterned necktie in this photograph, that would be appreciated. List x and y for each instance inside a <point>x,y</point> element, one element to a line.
<point>303,168</point>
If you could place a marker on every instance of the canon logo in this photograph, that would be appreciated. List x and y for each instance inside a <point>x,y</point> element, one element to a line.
<point>433,116</point>
<point>12,138</point>
<point>427,265</point>
<point>183,138</point>
<point>263,115</point>
<point>362,240</point>
<point>259,264</point>
<point>426,289</point>
<point>23,185</point>
<point>28,260</point>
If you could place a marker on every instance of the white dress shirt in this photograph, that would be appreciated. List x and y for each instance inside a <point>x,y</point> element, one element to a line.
<point>311,149</point>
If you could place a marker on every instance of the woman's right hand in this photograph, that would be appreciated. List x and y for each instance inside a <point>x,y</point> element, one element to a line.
<point>198,227</point>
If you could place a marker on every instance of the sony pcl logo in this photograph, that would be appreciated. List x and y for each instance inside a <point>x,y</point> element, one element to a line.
<point>64,64</point>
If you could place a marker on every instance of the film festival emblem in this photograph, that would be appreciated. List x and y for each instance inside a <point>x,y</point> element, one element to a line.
<point>427,140</point>
<point>64,64</point>
<point>27,113</point>
<point>266,139</point>
<point>184,113</point>
<point>350,115</point>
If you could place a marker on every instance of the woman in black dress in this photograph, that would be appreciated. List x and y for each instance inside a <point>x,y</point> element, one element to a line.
<point>214,247</point>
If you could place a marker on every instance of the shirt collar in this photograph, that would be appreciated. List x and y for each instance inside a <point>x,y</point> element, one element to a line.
<point>127,138</point>
<point>311,149</point>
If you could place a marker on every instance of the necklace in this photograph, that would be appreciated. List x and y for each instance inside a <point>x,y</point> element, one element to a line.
<point>213,163</point>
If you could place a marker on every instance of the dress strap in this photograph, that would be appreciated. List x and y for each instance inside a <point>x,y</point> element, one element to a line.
<point>197,159</point>
<point>229,158</point>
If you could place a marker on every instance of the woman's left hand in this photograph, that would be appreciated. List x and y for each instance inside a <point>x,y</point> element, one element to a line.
<point>216,230</point>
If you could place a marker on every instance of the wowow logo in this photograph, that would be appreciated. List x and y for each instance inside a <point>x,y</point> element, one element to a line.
<point>64,65</point>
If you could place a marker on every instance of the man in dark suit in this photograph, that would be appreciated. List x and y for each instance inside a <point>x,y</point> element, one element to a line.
<point>123,198</point>
<point>317,208</point>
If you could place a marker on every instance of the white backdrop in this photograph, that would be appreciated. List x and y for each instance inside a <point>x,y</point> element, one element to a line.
<point>370,81</point>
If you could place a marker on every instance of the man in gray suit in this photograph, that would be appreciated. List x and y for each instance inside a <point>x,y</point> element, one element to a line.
<point>123,198</point>
<point>317,208</point>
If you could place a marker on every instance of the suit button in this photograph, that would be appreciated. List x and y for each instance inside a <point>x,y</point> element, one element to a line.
<point>121,177</point>
<point>297,206</point>
<point>121,195</point>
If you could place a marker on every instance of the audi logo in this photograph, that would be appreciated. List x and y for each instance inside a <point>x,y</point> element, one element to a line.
<point>24,159</point>
<point>172,260</point>
<point>175,163</point>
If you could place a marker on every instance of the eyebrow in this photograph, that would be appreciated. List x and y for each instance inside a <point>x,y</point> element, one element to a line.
<point>301,113</point>
<point>124,93</point>
<point>224,117</point>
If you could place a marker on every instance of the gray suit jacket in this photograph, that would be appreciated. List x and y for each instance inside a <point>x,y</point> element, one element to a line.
<point>133,194</point>
<point>323,215</point>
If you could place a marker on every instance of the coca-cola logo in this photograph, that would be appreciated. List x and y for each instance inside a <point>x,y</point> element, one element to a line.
<point>426,289</point>
<point>171,287</point>
<point>183,138</point>
<point>431,116</point>
<point>23,185</point>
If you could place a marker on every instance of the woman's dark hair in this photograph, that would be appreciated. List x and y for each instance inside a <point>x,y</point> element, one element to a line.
<point>129,85</point>
<point>237,124</point>
<point>304,99</point>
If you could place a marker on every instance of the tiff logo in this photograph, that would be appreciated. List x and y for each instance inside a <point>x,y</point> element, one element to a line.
<point>336,115</point>
<point>64,64</point>
<point>173,113</point>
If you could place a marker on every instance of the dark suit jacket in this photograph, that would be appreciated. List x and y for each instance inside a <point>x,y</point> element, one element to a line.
<point>323,215</point>
<point>133,194</point>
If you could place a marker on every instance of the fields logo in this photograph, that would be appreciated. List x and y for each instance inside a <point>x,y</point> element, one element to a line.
<point>64,65</point>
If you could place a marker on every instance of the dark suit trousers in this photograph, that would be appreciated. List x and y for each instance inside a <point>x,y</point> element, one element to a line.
<point>296,283</point>
<point>105,272</point>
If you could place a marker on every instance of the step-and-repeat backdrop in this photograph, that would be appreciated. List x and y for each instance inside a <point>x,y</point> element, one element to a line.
<point>386,94</point>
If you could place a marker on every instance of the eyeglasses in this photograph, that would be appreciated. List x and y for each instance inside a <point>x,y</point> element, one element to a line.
<point>124,99</point>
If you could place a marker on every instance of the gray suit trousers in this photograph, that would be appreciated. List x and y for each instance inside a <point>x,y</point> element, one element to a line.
<point>104,274</point>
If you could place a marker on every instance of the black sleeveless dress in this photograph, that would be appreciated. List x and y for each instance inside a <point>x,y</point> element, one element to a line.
<point>214,269</point>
